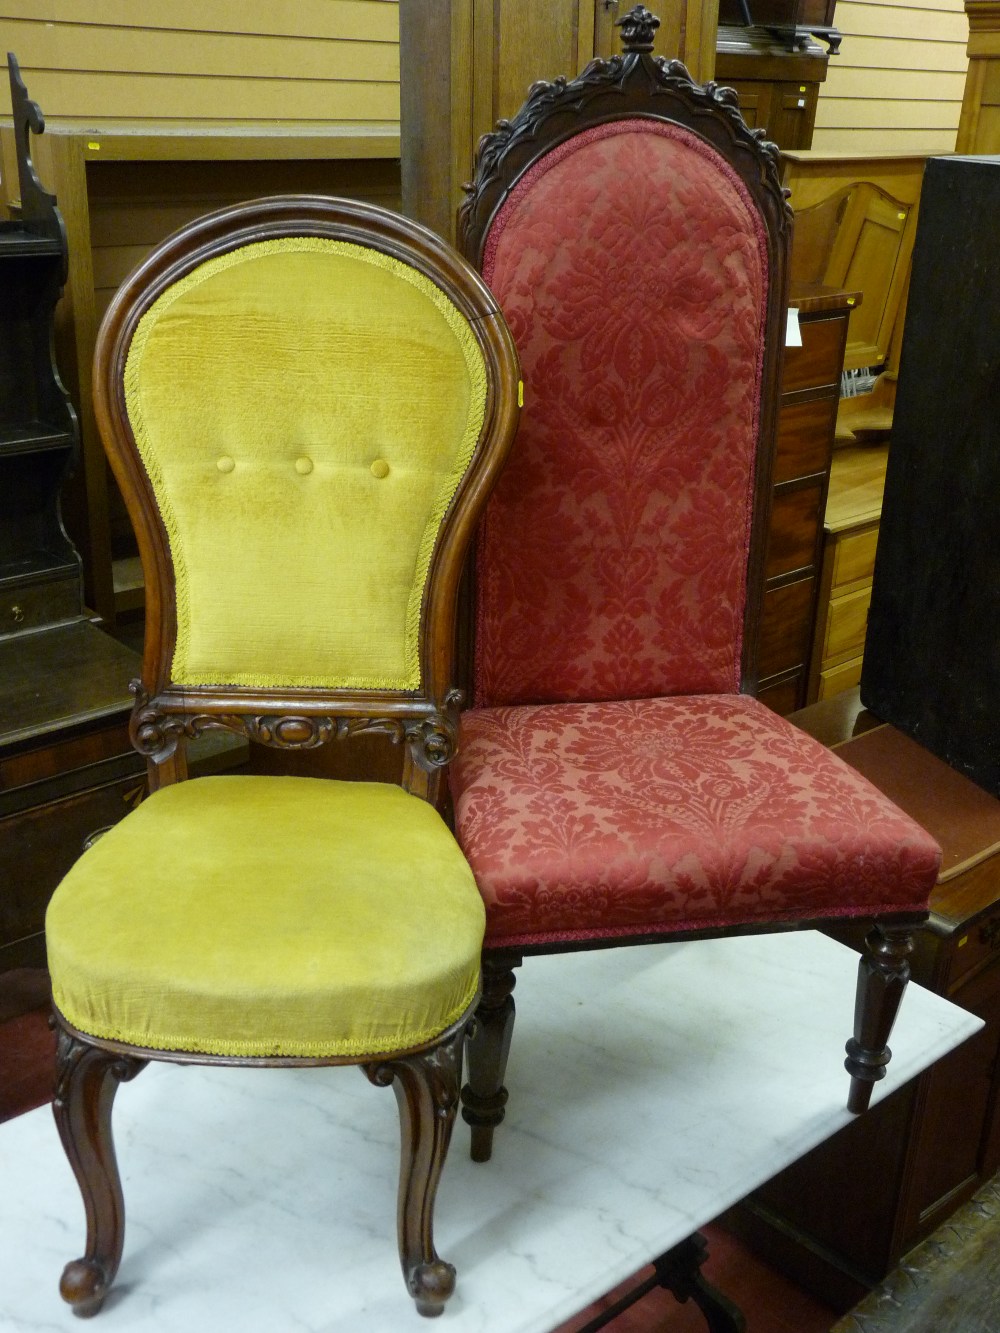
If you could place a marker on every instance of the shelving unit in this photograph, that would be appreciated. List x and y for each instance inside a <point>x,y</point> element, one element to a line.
<point>39,568</point>
<point>66,765</point>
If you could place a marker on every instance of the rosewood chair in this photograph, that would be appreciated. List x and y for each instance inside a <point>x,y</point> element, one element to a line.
<point>304,401</point>
<point>617,781</point>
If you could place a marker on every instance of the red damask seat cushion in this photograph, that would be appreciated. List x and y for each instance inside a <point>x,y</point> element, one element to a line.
<point>623,817</point>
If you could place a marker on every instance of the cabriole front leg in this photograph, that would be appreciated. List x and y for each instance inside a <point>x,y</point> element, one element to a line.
<point>883,972</point>
<point>87,1078</point>
<point>426,1087</point>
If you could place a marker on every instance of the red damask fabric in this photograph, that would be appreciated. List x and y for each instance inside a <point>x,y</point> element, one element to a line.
<point>617,818</point>
<point>631,265</point>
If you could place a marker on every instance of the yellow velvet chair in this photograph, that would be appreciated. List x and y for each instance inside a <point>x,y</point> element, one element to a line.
<point>305,402</point>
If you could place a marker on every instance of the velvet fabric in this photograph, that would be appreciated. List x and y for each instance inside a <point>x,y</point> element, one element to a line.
<point>258,396</point>
<point>684,813</point>
<point>261,916</point>
<point>631,266</point>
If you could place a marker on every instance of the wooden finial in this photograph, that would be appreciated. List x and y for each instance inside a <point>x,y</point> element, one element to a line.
<point>37,204</point>
<point>638,27</point>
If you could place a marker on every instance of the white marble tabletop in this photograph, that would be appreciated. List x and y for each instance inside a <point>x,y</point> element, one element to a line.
<point>650,1089</point>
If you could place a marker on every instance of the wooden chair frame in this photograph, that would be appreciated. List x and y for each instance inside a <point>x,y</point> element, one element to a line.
<point>425,1078</point>
<point>640,86</point>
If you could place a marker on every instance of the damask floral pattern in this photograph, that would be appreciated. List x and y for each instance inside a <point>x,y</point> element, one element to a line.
<point>631,266</point>
<point>618,818</point>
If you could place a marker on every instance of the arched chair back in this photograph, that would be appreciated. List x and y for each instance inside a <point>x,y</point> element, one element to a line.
<point>305,402</point>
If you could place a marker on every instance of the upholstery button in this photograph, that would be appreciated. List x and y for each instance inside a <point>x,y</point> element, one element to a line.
<point>226,464</point>
<point>380,468</point>
<point>303,466</point>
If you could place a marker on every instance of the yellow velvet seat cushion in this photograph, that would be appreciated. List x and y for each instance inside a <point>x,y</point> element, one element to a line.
<point>269,916</point>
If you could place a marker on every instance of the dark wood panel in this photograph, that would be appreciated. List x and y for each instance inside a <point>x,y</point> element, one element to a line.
<point>783,695</point>
<point>786,627</point>
<point>804,433</point>
<point>956,1097</point>
<point>816,363</point>
<point>38,846</point>
<point>47,761</point>
<point>796,516</point>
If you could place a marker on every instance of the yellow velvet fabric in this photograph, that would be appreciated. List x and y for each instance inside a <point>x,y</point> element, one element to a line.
<point>305,410</point>
<point>269,916</point>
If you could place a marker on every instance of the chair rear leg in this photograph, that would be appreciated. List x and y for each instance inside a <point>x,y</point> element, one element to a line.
<point>87,1078</point>
<point>484,1096</point>
<point>883,972</point>
<point>426,1087</point>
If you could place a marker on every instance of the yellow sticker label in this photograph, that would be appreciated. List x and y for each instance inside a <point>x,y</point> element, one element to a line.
<point>94,147</point>
<point>520,393</point>
<point>962,942</point>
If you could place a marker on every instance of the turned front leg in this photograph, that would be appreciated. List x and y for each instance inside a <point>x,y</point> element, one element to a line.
<point>484,1096</point>
<point>883,972</point>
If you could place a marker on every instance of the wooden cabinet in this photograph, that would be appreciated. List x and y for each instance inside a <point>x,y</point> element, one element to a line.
<point>465,64</point>
<point>843,1216</point>
<point>855,225</point>
<point>806,421</point>
<point>66,766</point>
<point>854,503</point>
<point>979,125</point>
<point>778,86</point>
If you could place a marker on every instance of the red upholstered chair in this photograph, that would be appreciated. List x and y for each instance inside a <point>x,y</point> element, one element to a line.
<point>617,782</point>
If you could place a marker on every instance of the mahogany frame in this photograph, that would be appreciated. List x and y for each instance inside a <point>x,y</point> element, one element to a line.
<point>638,85</point>
<point>425,1078</point>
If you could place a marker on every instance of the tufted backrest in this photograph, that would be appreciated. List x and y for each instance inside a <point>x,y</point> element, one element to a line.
<point>305,409</point>
<point>631,263</point>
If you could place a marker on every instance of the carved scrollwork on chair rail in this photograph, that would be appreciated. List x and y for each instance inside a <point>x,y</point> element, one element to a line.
<point>156,732</point>
<point>434,740</point>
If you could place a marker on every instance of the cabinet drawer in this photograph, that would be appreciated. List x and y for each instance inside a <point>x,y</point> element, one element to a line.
<point>834,680</point>
<point>38,846</point>
<point>818,361</point>
<point>977,947</point>
<point>786,627</point>
<point>846,624</point>
<point>795,522</point>
<point>805,431</point>
<point>854,557</point>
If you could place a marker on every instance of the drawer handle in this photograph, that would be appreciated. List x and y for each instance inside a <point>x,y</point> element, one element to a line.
<point>18,614</point>
<point>989,934</point>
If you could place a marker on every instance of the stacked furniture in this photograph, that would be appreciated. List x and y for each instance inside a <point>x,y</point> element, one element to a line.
<point>766,50</point>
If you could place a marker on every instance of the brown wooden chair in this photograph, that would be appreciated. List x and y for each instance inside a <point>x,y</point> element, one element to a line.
<point>617,781</point>
<point>304,401</point>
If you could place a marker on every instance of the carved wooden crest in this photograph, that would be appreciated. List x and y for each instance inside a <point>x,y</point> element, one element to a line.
<point>634,84</point>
